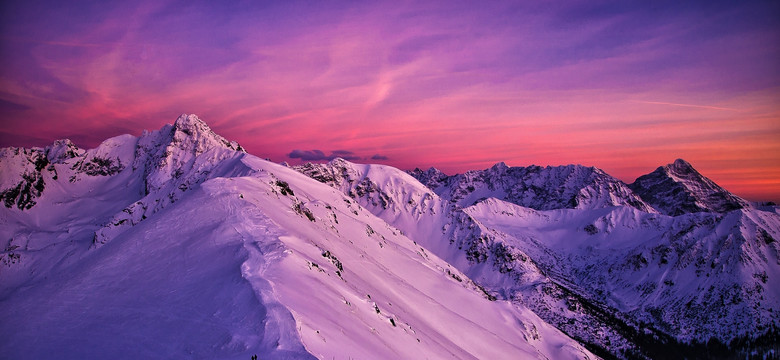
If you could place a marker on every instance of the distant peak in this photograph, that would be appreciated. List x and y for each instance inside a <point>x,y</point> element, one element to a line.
<point>681,165</point>
<point>500,166</point>
<point>677,188</point>
<point>433,170</point>
<point>681,162</point>
<point>339,162</point>
<point>62,150</point>
<point>64,142</point>
<point>432,178</point>
<point>680,168</point>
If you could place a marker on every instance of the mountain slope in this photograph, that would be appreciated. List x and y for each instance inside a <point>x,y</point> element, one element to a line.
<point>698,277</point>
<point>198,250</point>
<point>448,231</point>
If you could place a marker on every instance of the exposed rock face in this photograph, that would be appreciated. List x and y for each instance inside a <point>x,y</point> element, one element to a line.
<point>25,171</point>
<point>536,187</point>
<point>677,189</point>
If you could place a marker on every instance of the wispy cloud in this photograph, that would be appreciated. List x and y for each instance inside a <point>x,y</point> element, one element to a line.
<point>687,105</point>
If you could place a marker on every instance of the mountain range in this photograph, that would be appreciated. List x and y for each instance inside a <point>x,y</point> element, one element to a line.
<point>179,244</point>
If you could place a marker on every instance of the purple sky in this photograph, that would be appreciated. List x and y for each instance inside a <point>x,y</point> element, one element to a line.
<point>624,86</point>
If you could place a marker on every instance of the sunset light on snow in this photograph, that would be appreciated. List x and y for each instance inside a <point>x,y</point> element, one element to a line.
<point>623,86</point>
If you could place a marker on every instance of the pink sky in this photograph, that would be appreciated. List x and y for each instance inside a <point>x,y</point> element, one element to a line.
<point>459,86</point>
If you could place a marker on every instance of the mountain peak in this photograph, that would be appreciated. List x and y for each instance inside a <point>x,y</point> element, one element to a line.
<point>61,150</point>
<point>189,120</point>
<point>681,163</point>
<point>680,167</point>
<point>431,178</point>
<point>190,133</point>
<point>176,149</point>
<point>678,188</point>
<point>191,126</point>
<point>339,162</point>
<point>499,166</point>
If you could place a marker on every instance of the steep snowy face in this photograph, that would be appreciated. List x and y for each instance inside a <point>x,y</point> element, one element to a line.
<point>677,189</point>
<point>170,162</point>
<point>689,278</point>
<point>171,152</point>
<point>541,188</point>
<point>27,172</point>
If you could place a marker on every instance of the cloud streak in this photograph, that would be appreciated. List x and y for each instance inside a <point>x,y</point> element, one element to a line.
<point>686,105</point>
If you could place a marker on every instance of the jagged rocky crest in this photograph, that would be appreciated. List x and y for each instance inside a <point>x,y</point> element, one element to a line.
<point>677,189</point>
<point>173,151</point>
<point>168,162</point>
<point>536,187</point>
<point>25,172</point>
<point>164,155</point>
<point>673,189</point>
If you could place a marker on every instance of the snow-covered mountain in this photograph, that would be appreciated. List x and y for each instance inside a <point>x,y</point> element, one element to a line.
<point>584,252</point>
<point>692,278</point>
<point>536,187</point>
<point>177,244</point>
<point>677,189</point>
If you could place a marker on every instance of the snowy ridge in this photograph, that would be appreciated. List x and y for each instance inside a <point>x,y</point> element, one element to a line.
<point>541,188</point>
<point>214,253</point>
<point>677,189</point>
<point>170,161</point>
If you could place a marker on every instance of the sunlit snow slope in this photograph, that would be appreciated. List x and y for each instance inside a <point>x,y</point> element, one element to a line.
<point>177,244</point>
<point>590,256</point>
